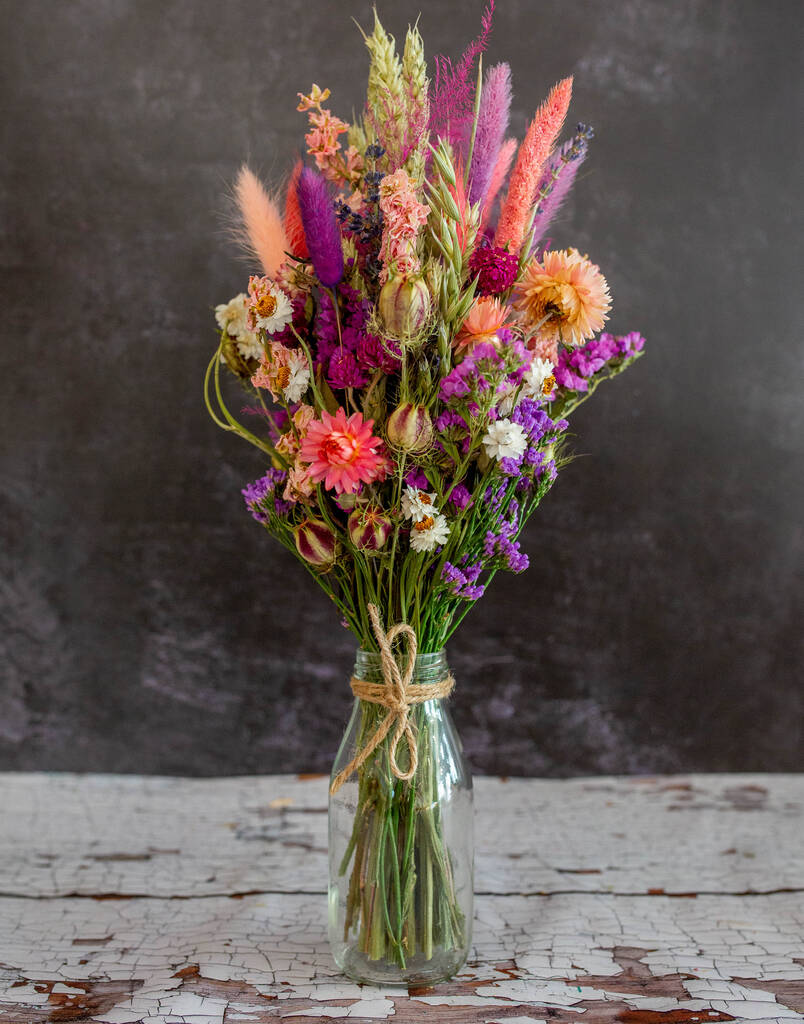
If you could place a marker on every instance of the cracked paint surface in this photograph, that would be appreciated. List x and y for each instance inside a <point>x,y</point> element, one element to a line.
<point>176,901</point>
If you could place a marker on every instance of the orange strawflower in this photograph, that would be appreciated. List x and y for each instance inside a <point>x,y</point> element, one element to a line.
<point>486,317</point>
<point>563,298</point>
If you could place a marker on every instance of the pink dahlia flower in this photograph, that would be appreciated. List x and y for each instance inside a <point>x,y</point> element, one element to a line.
<point>342,452</point>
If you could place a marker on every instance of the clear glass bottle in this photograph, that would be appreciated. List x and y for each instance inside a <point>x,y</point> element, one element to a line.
<point>401,853</point>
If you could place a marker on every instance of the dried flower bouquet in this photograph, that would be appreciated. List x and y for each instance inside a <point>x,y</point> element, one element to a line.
<point>412,351</point>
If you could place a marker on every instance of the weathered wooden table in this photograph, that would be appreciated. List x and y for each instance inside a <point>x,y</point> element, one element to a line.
<point>198,901</point>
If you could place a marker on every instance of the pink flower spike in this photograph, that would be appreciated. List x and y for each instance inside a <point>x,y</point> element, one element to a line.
<point>533,152</point>
<point>342,452</point>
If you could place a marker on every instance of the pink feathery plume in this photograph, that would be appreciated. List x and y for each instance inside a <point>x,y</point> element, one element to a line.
<point>294,229</point>
<point>261,230</point>
<point>492,124</point>
<point>558,179</point>
<point>498,176</point>
<point>321,230</point>
<point>453,92</point>
<point>458,193</point>
<point>533,152</point>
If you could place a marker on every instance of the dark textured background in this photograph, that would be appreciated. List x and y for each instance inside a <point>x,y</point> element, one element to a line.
<point>147,623</point>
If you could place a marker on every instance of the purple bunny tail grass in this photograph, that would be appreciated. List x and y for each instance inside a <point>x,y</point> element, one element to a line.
<point>453,92</point>
<point>321,231</point>
<point>492,124</point>
<point>558,179</point>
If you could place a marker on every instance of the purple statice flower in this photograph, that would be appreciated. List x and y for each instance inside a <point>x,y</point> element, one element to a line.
<point>373,354</point>
<point>417,479</point>
<point>343,370</point>
<point>321,230</point>
<point>460,498</point>
<point>576,366</point>
<point>470,375</point>
<point>259,495</point>
<point>495,269</point>
<point>504,551</point>
<point>630,344</point>
<point>492,124</point>
<point>462,581</point>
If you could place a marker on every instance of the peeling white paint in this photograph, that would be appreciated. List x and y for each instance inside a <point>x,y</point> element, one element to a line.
<point>212,959</point>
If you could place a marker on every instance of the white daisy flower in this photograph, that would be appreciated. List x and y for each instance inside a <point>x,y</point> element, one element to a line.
<point>249,345</point>
<point>232,317</point>
<point>273,310</point>
<point>417,505</point>
<point>505,440</point>
<point>299,379</point>
<point>429,532</point>
<point>538,380</point>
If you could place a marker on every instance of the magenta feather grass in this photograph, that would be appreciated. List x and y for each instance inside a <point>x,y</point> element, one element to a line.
<point>452,98</point>
<point>492,124</point>
<point>321,230</point>
<point>556,182</point>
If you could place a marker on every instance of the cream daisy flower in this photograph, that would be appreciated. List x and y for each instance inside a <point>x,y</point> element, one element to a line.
<point>269,308</point>
<point>505,440</point>
<point>417,505</point>
<point>429,532</point>
<point>232,317</point>
<point>539,382</point>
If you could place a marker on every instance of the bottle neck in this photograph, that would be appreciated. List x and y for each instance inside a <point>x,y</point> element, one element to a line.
<point>429,668</point>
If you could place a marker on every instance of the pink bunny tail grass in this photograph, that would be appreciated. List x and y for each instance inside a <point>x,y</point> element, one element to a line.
<point>556,182</point>
<point>260,230</point>
<point>533,152</point>
<point>498,176</point>
<point>492,124</point>
<point>294,229</point>
<point>321,230</point>
<point>453,92</point>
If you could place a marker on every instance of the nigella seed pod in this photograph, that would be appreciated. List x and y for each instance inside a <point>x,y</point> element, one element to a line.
<point>369,528</point>
<point>409,427</point>
<point>315,542</point>
<point>404,305</point>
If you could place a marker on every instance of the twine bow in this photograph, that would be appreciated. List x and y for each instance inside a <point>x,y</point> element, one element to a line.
<point>396,693</point>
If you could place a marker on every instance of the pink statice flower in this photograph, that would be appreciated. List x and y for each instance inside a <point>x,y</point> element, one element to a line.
<point>342,452</point>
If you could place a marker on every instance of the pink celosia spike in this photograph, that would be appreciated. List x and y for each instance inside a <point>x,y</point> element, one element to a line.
<point>261,230</point>
<point>498,176</point>
<point>294,229</point>
<point>533,152</point>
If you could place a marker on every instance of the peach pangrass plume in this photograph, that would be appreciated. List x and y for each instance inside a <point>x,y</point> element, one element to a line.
<point>563,298</point>
<point>533,152</point>
<point>294,229</point>
<point>261,230</point>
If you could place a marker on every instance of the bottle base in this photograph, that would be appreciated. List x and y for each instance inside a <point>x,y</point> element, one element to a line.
<point>418,970</point>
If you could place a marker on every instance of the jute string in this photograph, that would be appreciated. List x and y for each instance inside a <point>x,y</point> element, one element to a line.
<point>397,694</point>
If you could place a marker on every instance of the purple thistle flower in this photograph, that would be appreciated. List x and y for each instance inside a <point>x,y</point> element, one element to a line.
<point>321,231</point>
<point>492,124</point>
